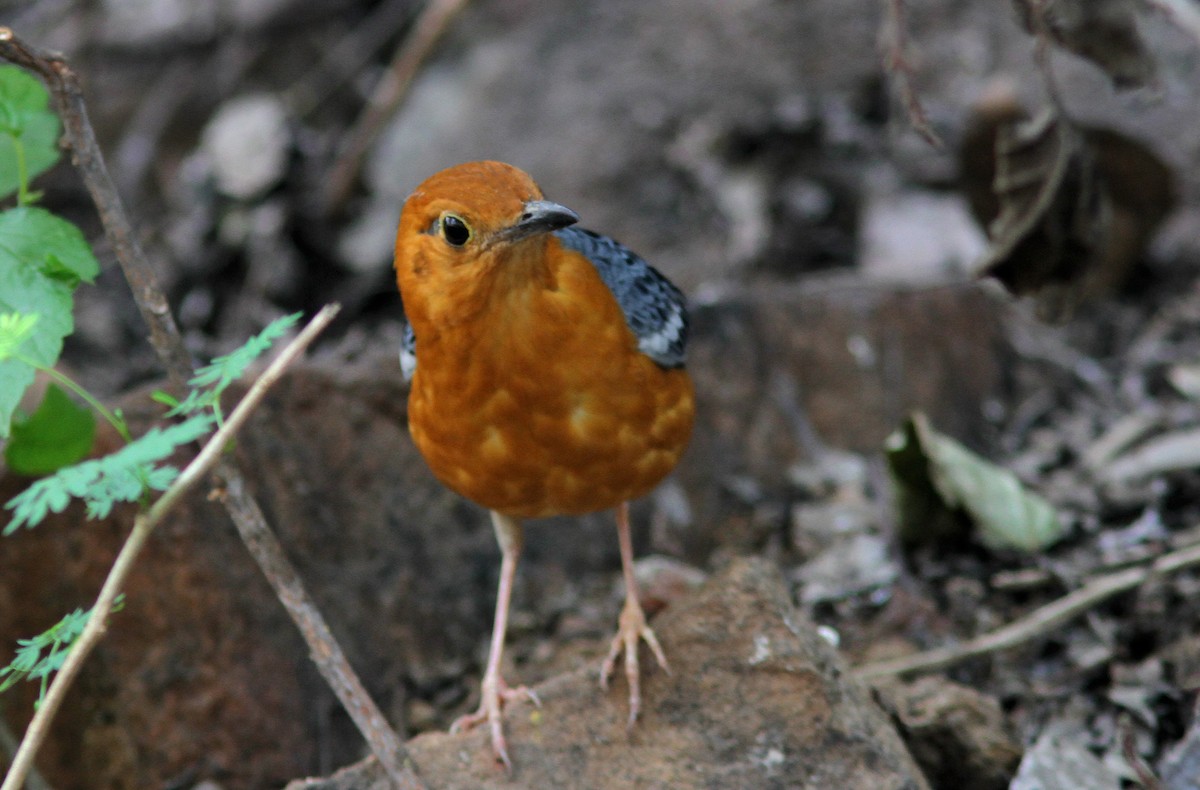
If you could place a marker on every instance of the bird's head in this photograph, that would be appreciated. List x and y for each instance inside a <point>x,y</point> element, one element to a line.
<point>466,230</point>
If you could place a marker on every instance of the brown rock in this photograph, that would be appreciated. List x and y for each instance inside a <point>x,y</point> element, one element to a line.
<point>852,353</point>
<point>756,699</point>
<point>958,736</point>
<point>782,373</point>
<point>197,673</point>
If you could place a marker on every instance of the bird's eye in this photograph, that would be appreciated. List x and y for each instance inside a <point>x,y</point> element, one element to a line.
<point>455,230</point>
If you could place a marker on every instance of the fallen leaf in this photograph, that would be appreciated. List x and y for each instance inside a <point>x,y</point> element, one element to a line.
<point>1069,210</point>
<point>941,485</point>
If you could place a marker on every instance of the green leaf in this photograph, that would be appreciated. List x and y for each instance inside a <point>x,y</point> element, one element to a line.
<point>196,400</point>
<point>942,486</point>
<point>49,244</point>
<point>25,120</point>
<point>30,664</point>
<point>123,476</point>
<point>42,259</point>
<point>165,398</point>
<point>15,329</point>
<point>228,368</point>
<point>58,434</point>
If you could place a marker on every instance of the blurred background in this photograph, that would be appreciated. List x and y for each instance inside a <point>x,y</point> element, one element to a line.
<point>756,141</point>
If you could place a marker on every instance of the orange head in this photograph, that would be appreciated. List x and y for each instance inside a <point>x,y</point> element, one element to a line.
<point>463,232</point>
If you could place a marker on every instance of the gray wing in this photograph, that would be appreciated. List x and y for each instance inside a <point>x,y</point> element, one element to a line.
<point>654,308</point>
<point>408,352</point>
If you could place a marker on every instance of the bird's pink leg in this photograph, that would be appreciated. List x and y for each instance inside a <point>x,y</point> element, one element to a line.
<point>493,691</point>
<point>632,625</point>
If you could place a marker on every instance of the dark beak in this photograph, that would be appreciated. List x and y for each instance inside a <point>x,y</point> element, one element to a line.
<point>540,216</point>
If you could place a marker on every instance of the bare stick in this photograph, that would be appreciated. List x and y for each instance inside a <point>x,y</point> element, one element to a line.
<point>8,747</point>
<point>895,62</point>
<point>390,91</point>
<point>1038,622</point>
<point>168,344</point>
<point>143,525</point>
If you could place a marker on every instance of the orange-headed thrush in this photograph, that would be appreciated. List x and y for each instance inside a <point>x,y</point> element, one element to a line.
<point>550,378</point>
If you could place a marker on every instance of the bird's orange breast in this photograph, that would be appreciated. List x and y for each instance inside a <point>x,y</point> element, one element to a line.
<point>541,404</point>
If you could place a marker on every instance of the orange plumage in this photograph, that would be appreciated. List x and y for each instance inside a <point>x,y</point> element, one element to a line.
<point>550,381</point>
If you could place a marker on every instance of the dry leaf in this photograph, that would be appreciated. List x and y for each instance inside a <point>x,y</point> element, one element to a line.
<point>1068,209</point>
<point>1054,215</point>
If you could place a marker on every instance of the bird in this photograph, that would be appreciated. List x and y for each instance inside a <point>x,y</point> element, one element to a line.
<point>546,378</point>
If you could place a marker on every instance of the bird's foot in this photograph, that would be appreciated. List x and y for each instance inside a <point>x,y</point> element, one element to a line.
<point>494,693</point>
<point>631,629</point>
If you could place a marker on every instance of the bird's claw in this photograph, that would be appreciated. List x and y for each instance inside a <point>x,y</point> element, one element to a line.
<point>493,694</point>
<point>630,629</point>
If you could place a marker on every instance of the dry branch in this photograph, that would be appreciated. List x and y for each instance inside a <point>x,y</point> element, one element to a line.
<point>1038,622</point>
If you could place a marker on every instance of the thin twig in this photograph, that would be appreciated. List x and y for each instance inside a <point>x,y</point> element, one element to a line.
<point>8,747</point>
<point>143,525</point>
<point>895,62</point>
<point>1038,622</point>
<point>388,94</point>
<point>168,344</point>
<point>1145,774</point>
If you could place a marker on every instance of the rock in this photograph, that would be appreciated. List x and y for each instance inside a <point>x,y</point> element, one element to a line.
<point>196,675</point>
<point>1062,763</point>
<point>849,566</point>
<point>847,353</point>
<point>705,156</point>
<point>202,674</point>
<point>785,373</point>
<point>958,736</point>
<point>912,236</point>
<point>247,143</point>
<point>756,698</point>
<point>817,525</point>
<point>661,581</point>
